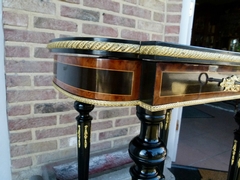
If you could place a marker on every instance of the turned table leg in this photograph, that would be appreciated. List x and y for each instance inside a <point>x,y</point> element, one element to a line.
<point>147,149</point>
<point>83,138</point>
<point>234,165</point>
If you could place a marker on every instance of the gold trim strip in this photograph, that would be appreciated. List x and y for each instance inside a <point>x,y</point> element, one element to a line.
<point>168,118</point>
<point>142,104</point>
<point>95,45</point>
<point>85,136</point>
<point>95,102</point>
<point>158,50</point>
<point>185,103</point>
<point>79,136</point>
<point>234,152</point>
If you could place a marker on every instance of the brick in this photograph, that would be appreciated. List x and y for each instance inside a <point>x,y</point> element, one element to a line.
<point>101,146</point>
<point>110,113</point>
<point>134,130</point>
<point>52,107</point>
<point>174,7</point>
<point>158,17</point>
<point>112,134</point>
<point>27,36</point>
<point>131,1</point>
<point>157,37</point>
<point>43,80</point>
<point>31,5</point>
<point>21,163</point>
<point>72,1</point>
<point>126,121</point>
<point>103,4</point>
<point>136,11</point>
<point>16,110</point>
<point>62,96</point>
<point>27,123</point>
<point>68,142</point>
<point>122,141</point>
<point>153,5</point>
<point>26,172</point>
<point>31,148</point>
<point>56,132</point>
<point>93,137</point>
<point>42,53</point>
<point>81,14</point>
<point>56,156</point>
<point>30,95</point>
<point>150,26</point>
<point>17,51</point>
<point>117,20</point>
<point>17,80</point>
<point>102,125</point>
<point>23,66</point>
<point>64,35</point>
<point>133,110</point>
<point>172,39</point>
<point>68,118</point>
<point>92,29</point>
<point>134,35</point>
<point>15,19</point>
<point>173,18</point>
<point>172,29</point>
<point>20,136</point>
<point>55,24</point>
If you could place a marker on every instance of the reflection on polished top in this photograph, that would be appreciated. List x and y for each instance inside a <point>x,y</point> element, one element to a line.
<point>154,75</point>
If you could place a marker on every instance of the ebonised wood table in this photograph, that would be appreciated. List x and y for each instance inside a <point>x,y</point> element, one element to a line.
<point>151,75</point>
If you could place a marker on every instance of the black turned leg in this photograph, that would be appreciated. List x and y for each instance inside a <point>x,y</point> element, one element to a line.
<point>83,138</point>
<point>234,165</point>
<point>147,150</point>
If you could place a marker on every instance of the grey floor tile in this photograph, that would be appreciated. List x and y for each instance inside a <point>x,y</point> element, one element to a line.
<point>207,142</point>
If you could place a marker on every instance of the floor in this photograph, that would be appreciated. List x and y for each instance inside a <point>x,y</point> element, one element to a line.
<point>207,141</point>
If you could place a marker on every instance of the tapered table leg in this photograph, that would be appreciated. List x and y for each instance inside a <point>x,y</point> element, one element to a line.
<point>147,150</point>
<point>83,138</point>
<point>234,165</point>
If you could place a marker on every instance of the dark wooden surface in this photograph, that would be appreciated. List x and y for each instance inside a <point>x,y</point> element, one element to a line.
<point>153,83</point>
<point>111,80</point>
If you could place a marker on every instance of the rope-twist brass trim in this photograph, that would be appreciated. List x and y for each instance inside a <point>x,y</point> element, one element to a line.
<point>142,104</point>
<point>95,102</point>
<point>95,45</point>
<point>186,53</point>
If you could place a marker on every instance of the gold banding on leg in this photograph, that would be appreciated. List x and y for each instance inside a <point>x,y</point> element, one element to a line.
<point>85,136</point>
<point>79,136</point>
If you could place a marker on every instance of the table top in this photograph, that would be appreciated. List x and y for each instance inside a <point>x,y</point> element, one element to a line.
<point>155,51</point>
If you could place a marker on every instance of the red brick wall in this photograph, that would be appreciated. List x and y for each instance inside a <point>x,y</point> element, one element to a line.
<point>41,121</point>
